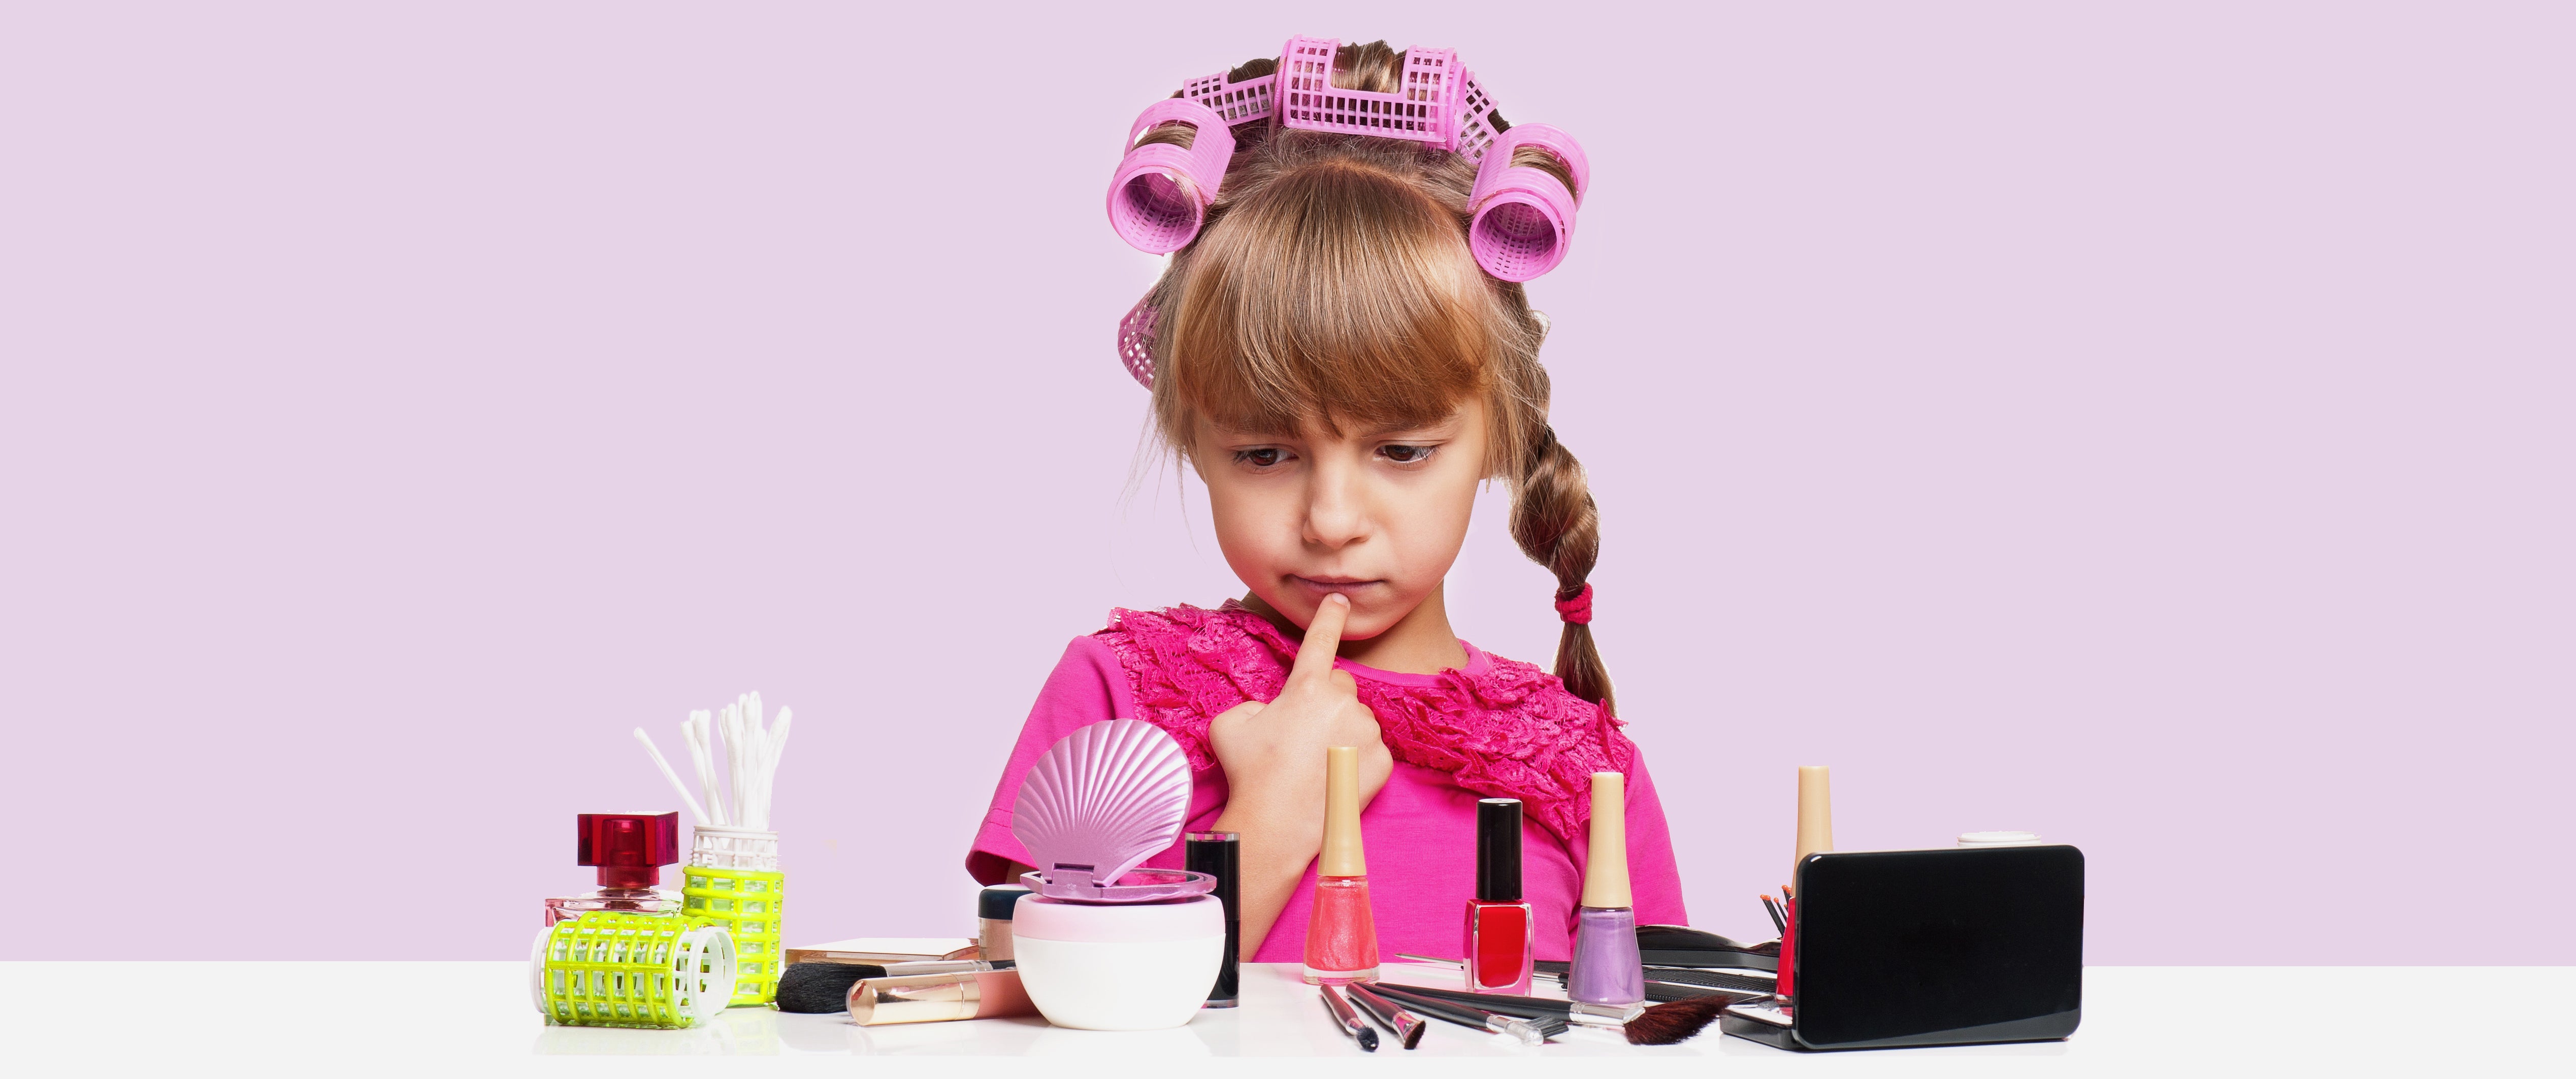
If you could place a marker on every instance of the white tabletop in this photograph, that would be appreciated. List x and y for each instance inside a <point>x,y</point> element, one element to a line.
<point>377,1017</point>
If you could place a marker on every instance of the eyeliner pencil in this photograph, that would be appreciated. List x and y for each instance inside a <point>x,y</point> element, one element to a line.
<point>1772,908</point>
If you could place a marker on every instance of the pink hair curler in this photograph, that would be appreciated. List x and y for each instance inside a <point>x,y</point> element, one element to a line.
<point>1440,102</point>
<point>1161,191</point>
<point>1425,110</point>
<point>1524,217</point>
<point>1160,194</point>
<point>1136,340</point>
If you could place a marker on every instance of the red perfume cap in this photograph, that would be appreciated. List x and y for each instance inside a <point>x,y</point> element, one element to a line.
<point>630,849</point>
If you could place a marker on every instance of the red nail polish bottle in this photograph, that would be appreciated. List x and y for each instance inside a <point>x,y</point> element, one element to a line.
<point>1500,931</point>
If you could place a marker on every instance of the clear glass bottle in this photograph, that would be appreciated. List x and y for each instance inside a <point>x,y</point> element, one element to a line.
<point>630,850</point>
<point>1341,933</point>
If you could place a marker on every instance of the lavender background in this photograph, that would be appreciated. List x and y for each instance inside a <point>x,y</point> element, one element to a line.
<point>2144,426</point>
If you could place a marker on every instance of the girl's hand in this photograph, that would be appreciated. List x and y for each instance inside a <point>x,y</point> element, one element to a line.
<point>1273,756</point>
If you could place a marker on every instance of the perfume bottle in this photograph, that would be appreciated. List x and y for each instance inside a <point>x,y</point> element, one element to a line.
<point>630,850</point>
<point>1606,968</point>
<point>1500,931</point>
<point>1341,934</point>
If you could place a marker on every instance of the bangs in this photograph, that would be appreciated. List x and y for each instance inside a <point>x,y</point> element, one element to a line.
<point>1338,294</point>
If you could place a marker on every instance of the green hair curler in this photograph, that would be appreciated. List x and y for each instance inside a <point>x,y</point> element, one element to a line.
<point>732,880</point>
<point>606,969</point>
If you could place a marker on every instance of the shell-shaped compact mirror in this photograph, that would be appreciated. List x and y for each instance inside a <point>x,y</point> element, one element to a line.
<point>1098,803</point>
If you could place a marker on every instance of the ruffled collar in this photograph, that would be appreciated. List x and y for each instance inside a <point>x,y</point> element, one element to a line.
<point>1498,727</point>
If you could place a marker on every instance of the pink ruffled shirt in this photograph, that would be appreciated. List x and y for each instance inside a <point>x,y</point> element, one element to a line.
<point>1504,727</point>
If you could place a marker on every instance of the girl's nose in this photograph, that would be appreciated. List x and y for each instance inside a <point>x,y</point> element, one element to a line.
<point>1335,515</point>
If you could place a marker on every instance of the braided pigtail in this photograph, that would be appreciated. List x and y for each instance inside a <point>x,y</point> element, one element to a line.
<point>1557,526</point>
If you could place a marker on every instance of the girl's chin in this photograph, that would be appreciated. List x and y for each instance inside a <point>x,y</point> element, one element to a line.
<point>1366,620</point>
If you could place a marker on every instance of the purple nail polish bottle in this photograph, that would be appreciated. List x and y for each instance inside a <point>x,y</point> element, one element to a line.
<point>1605,968</point>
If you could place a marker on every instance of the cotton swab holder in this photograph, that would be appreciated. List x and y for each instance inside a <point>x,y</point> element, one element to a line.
<point>631,970</point>
<point>733,880</point>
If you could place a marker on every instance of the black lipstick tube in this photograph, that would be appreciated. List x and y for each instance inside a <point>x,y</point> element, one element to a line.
<point>1219,854</point>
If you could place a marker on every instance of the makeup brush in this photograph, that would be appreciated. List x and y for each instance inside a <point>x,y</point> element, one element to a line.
<point>1664,992</point>
<point>1661,1024</point>
<point>1348,1018</point>
<point>821,988</point>
<point>825,987</point>
<point>1406,1026</point>
<point>1529,1031</point>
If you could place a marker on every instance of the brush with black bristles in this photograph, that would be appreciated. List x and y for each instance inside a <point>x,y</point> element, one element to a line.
<point>823,988</point>
<point>1668,1023</point>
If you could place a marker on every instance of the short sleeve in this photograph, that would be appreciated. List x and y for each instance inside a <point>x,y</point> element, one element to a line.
<point>1654,881</point>
<point>1088,686</point>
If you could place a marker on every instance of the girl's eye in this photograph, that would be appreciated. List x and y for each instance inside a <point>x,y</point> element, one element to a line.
<point>1407,455</point>
<point>1264,457</point>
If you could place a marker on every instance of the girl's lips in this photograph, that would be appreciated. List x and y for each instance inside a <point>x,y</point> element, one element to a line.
<point>1321,587</point>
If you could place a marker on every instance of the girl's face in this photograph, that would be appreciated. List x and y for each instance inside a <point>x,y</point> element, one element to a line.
<point>1377,516</point>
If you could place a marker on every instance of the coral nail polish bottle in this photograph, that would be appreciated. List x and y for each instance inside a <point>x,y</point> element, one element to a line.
<point>1341,934</point>
<point>1500,931</point>
<point>1606,968</point>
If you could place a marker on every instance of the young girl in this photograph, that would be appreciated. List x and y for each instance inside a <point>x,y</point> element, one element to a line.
<point>1330,357</point>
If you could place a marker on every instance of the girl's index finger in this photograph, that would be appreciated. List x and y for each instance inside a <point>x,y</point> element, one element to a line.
<point>1323,638</point>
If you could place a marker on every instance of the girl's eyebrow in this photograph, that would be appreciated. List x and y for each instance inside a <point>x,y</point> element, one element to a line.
<point>1436,427</point>
<point>1231,434</point>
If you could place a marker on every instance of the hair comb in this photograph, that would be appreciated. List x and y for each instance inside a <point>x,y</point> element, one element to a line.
<point>1523,218</point>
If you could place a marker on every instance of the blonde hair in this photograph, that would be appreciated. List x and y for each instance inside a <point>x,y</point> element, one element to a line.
<point>1332,283</point>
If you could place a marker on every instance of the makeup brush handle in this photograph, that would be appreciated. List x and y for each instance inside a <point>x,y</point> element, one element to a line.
<point>1527,1031</point>
<point>1574,1011</point>
<point>1406,1026</point>
<point>1347,1018</point>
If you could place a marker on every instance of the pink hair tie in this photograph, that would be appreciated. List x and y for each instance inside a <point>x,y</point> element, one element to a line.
<point>1579,609</point>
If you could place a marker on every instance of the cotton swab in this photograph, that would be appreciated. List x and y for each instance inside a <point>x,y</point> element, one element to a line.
<point>733,758</point>
<point>777,750</point>
<point>735,792</point>
<point>755,749</point>
<point>747,798</point>
<point>702,753</point>
<point>764,760</point>
<point>673,776</point>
